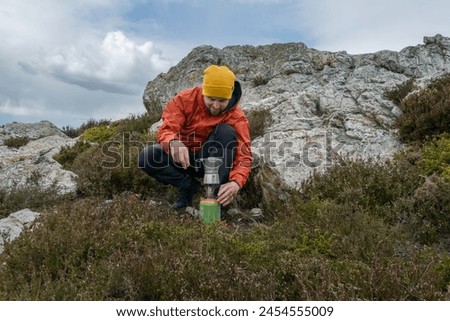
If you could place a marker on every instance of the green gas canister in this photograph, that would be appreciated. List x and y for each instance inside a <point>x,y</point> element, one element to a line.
<point>209,210</point>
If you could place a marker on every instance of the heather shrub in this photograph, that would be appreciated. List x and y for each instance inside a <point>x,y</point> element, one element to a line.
<point>75,132</point>
<point>70,131</point>
<point>16,142</point>
<point>110,169</point>
<point>259,120</point>
<point>397,193</point>
<point>367,184</point>
<point>436,156</point>
<point>127,250</point>
<point>425,212</point>
<point>262,190</point>
<point>425,112</point>
<point>400,91</point>
<point>136,124</point>
<point>99,134</point>
<point>67,154</point>
<point>260,80</point>
<point>31,195</point>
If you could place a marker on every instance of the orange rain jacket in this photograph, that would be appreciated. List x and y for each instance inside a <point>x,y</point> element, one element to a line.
<point>187,119</point>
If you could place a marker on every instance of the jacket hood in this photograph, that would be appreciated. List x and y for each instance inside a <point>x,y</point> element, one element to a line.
<point>235,97</point>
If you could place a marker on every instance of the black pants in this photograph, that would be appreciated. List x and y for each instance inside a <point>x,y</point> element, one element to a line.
<point>154,161</point>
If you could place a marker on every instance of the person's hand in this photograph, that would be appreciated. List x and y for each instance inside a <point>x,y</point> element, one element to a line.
<point>227,192</point>
<point>180,153</point>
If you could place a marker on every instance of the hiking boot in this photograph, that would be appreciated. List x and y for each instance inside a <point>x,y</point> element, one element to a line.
<point>185,194</point>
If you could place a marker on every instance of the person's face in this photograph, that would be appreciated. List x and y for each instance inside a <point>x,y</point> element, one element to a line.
<point>215,105</point>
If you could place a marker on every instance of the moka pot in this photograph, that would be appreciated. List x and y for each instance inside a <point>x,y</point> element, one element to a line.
<point>209,206</point>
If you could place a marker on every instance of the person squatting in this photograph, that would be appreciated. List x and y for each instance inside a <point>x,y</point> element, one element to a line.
<point>204,121</point>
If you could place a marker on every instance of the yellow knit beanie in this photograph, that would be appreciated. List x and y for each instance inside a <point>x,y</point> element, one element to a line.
<point>218,82</point>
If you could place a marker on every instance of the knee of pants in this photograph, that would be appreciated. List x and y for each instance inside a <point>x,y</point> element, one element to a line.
<point>152,157</point>
<point>225,133</point>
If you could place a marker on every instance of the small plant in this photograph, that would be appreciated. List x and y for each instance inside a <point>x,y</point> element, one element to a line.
<point>136,123</point>
<point>436,156</point>
<point>259,80</point>
<point>70,131</point>
<point>32,196</point>
<point>109,167</point>
<point>399,93</point>
<point>76,132</point>
<point>16,142</point>
<point>67,154</point>
<point>426,211</point>
<point>99,134</point>
<point>321,60</point>
<point>93,123</point>
<point>368,184</point>
<point>259,120</point>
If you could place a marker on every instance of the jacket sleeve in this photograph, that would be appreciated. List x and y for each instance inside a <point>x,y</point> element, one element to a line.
<point>173,118</point>
<point>242,164</point>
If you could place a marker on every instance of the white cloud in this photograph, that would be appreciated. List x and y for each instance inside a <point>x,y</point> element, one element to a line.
<point>10,108</point>
<point>75,60</point>
<point>44,23</point>
<point>71,60</point>
<point>70,41</point>
<point>40,97</point>
<point>115,64</point>
<point>368,26</point>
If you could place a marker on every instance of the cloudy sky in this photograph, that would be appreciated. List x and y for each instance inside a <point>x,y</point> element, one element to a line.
<point>71,61</point>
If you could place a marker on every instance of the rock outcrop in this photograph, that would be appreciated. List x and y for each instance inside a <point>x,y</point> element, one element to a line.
<point>31,163</point>
<point>13,225</point>
<point>325,106</point>
<point>34,161</point>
